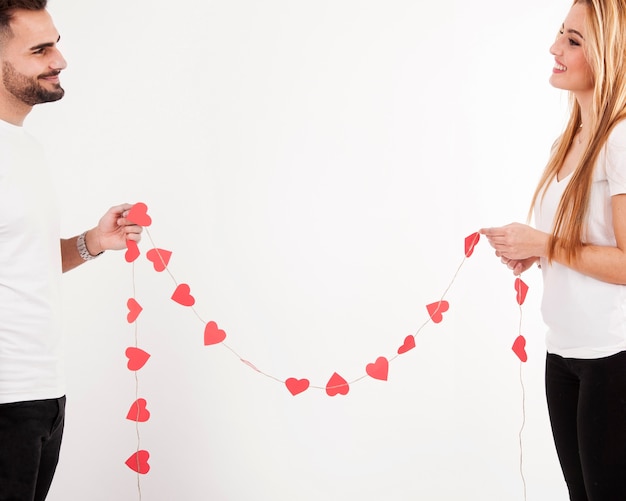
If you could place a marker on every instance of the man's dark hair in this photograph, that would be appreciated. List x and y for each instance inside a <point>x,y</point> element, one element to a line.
<point>8,7</point>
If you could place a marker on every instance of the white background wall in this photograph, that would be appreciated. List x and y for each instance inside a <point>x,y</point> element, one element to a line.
<point>315,168</point>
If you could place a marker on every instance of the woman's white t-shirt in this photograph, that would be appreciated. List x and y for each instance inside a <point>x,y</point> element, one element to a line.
<point>586,318</point>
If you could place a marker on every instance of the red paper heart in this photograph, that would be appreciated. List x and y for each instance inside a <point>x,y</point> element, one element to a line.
<point>296,386</point>
<point>138,411</point>
<point>137,358</point>
<point>521,288</point>
<point>436,310</point>
<point>409,344</point>
<point>138,462</point>
<point>470,243</point>
<point>182,296</point>
<point>337,385</point>
<point>212,334</point>
<point>379,369</point>
<point>159,258</point>
<point>132,251</point>
<point>519,348</point>
<point>134,309</point>
<point>138,214</point>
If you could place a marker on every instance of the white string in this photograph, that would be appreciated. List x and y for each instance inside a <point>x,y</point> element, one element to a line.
<point>521,378</point>
<point>521,448</point>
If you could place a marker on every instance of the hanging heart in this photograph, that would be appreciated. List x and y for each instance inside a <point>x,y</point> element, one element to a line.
<point>522,289</point>
<point>436,310</point>
<point>159,258</point>
<point>409,344</point>
<point>138,462</point>
<point>138,214</point>
<point>134,309</point>
<point>379,369</point>
<point>296,386</point>
<point>213,334</point>
<point>137,358</point>
<point>470,243</point>
<point>337,386</point>
<point>519,348</point>
<point>138,411</point>
<point>182,295</point>
<point>132,251</point>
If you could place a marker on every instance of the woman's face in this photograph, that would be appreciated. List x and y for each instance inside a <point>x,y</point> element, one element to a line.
<point>571,70</point>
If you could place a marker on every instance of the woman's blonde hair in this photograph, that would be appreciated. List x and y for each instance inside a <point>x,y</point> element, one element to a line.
<point>605,51</point>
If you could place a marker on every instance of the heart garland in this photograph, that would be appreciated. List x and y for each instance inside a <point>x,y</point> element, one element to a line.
<point>213,335</point>
<point>137,358</point>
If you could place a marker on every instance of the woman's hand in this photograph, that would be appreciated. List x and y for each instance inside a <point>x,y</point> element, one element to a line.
<point>517,242</point>
<point>518,246</point>
<point>518,266</point>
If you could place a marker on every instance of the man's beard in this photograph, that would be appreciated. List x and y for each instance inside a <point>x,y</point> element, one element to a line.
<point>28,90</point>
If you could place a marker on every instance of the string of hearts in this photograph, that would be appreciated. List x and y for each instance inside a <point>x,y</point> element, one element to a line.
<point>213,335</point>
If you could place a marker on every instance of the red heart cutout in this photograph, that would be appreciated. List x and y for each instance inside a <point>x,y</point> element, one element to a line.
<point>137,358</point>
<point>409,344</point>
<point>470,243</point>
<point>436,310</point>
<point>337,385</point>
<point>132,251</point>
<point>212,334</point>
<point>182,296</point>
<point>296,386</point>
<point>138,462</point>
<point>138,214</point>
<point>519,348</point>
<point>138,411</point>
<point>134,309</point>
<point>521,289</point>
<point>159,258</point>
<point>379,369</point>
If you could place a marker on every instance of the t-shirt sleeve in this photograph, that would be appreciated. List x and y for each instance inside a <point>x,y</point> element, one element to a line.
<point>616,160</point>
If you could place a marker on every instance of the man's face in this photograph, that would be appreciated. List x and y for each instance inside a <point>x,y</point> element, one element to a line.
<point>31,61</point>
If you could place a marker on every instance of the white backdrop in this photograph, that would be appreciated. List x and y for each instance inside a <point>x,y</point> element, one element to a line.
<point>315,168</point>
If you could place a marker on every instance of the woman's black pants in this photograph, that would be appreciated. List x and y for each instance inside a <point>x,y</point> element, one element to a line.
<point>587,406</point>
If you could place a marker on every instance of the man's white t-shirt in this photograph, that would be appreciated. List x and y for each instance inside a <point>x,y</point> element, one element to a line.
<point>31,361</point>
<point>586,318</point>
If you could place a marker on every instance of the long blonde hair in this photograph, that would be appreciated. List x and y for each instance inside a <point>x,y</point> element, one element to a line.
<point>605,51</point>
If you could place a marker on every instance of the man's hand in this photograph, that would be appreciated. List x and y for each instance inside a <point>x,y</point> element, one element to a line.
<point>112,231</point>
